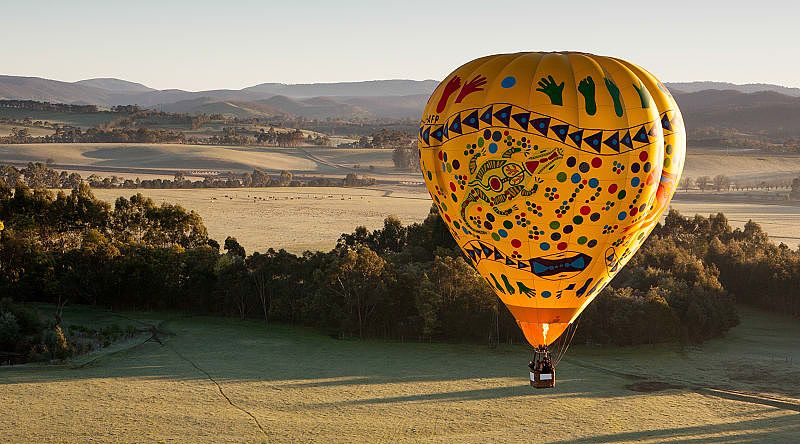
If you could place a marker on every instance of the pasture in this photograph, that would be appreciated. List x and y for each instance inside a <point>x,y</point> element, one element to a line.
<point>220,380</point>
<point>299,219</point>
<point>295,219</point>
<point>742,167</point>
<point>121,158</point>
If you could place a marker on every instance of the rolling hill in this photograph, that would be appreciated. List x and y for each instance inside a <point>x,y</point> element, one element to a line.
<point>690,87</point>
<point>749,108</point>
<point>764,112</point>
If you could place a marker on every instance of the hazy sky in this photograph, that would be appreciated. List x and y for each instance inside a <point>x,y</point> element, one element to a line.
<point>232,44</point>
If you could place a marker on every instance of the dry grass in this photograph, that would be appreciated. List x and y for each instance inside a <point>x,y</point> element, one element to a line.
<point>295,219</point>
<point>742,167</point>
<point>305,387</point>
<point>35,131</point>
<point>299,219</point>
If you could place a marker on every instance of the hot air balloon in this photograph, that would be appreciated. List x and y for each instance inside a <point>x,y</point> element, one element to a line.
<point>550,170</point>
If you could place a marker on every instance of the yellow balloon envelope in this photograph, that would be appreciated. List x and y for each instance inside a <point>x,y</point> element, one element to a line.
<point>550,170</point>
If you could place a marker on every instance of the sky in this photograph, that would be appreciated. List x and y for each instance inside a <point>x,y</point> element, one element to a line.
<point>199,44</point>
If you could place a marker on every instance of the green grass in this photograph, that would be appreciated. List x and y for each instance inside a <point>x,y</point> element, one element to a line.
<point>82,120</point>
<point>302,386</point>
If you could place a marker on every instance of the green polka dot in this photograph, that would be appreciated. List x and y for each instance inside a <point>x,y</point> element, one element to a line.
<point>669,149</point>
<point>430,176</point>
<point>561,177</point>
<point>582,240</point>
<point>508,224</point>
<point>577,220</point>
<point>480,141</point>
<point>621,195</point>
<point>495,236</point>
<point>667,162</point>
<point>449,168</point>
<point>554,225</point>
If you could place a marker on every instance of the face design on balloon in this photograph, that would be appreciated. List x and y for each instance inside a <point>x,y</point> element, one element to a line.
<point>545,208</point>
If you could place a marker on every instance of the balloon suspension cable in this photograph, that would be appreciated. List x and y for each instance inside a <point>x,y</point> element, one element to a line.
<point>565,341</point>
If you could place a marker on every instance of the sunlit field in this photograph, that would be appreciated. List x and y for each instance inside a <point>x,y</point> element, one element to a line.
<point>299,219</point>
<point>228,381</point>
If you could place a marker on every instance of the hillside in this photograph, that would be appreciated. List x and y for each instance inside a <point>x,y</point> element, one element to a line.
<point>770,110</point>
<point>765,112</point>
<point>115,85</point>
<point>690,87</point>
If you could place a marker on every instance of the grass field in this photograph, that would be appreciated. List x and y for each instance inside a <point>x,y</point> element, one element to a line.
<point>35,131</point>
<point>82,120</point>
<point>299,219</point>
<point>295,219</point>
<point>742,167</point>
<point>228,381</point>
<point>118,158</point>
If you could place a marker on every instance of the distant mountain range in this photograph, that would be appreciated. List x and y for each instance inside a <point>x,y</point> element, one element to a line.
<point>751,107</point>
<point>691,87</point>
<point>376,98</point>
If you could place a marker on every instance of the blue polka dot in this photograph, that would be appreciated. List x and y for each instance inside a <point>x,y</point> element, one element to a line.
<point>546,294</point>
<point>490,217</point>
<point>464,229</point>
<point>593,182</point>
<point>502,233</point>
<point>635,181</point>
<point>622,215</point>
<point>575,178</point>
<point>508,82</point>
<point>544,246</point>
<point>492,148</point>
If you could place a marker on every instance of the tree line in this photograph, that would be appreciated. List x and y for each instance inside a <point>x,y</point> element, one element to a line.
<point>398,282</point>
<point>39,175</point>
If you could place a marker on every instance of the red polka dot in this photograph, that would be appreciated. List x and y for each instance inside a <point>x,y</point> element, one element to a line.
<point>643,156</point>
<point>440,155</point>
<point>516,243</point>
<point>634,211</point>
<point>597,162</point>
<point>480,209</point>
<point>612,188</point>
<point>446,216</point>
<point>452,186</point>
<point>585,210</point>
<point>505,133</point>
<point>562,246</point>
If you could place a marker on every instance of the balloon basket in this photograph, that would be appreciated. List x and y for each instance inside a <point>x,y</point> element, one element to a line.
<point>542,369</point>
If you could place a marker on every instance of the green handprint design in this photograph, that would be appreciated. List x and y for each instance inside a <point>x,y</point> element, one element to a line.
<point>586,87</point>
<point>523,289</point>
<point>614,91</point>
<point>644,96</point>
<point>548,86</point>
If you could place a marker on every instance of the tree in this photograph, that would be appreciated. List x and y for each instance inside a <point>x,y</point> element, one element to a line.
<point>355,279</point>
<point>795,192</point>
<point>721,182</point>
<point>233,247</point>
<point>702,182</point>
<point>686,183</point>
<point>285,178</point>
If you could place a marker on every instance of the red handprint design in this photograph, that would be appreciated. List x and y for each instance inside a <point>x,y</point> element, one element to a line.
<point>451,87</point>
<point>471,87</point>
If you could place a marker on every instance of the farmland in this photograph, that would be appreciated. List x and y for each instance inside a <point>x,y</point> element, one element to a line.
<point>222,380</point>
